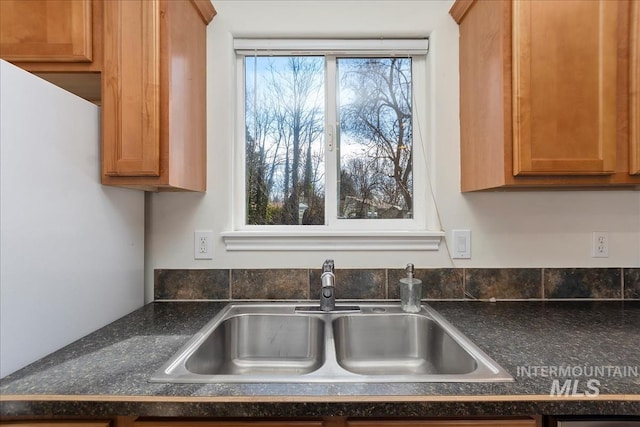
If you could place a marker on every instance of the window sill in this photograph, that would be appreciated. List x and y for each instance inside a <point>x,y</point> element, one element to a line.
<point>261,240</point>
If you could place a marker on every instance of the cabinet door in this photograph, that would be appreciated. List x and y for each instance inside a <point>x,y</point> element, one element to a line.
<point>46,30</point>
<point>447,423</point>
<point>55,423</point>
<point>131,88</point>
<point>634,90</point>
<point>230,423</point>
<point>564,87</point>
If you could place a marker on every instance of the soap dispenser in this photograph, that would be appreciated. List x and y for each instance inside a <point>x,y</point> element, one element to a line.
<point>410,291</point>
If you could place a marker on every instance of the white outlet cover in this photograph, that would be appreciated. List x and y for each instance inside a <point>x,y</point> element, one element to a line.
<point>203,250</point>
<point>600,244</point>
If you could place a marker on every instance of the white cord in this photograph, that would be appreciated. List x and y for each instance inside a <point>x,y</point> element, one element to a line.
<point>430,191</point>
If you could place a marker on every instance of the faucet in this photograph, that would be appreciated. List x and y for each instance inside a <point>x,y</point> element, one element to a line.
<point>327,293</point>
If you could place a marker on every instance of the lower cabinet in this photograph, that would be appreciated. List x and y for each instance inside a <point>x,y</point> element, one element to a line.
<point>233,423</point>
<point>448,423</point>
<point>55,423</point>
<point>280,422</point>
<point>346,422</point>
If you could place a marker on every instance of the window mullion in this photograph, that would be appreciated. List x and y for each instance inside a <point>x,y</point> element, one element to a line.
<point>331,145</point>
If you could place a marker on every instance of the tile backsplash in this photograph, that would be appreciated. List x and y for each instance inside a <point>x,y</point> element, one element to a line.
<point>437,283</point>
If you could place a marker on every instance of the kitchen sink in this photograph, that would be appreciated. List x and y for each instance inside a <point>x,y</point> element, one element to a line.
<point>255,344</point>
<point>294,342</point>
<point>398,344</point>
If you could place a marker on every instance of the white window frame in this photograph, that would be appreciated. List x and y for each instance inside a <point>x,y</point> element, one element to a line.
<point>418,233</point>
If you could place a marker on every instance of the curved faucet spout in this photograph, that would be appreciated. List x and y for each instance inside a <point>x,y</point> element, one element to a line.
<point>327,292</point>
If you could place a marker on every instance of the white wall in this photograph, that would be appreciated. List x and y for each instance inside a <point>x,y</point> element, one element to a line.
<point>71,250</point>
<point>522,229</point>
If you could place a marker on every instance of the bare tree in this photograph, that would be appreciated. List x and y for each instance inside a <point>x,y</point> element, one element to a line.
<point>292,106</point>
<point>378,116</point>
<point>261,158</point>
<point>361,174</point>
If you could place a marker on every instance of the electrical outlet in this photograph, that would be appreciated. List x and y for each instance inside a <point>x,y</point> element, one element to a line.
<point>461,244</point>
<point>600,245</point>
<point>202,241</point>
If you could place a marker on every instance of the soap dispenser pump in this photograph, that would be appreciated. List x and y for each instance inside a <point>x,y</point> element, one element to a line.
<point>410,291</point>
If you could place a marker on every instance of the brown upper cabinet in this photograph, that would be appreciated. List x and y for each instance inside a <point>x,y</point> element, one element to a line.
<point>634,90</point>
<point>59,40</point>
<point>546,93</point>
<point>143,61</point>
<point>46,30</point>
<point>153,88</point>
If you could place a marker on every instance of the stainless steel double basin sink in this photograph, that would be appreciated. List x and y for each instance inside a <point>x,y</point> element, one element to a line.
<point>293,342</point>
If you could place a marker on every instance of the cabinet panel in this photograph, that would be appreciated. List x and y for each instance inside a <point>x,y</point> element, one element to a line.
<point>544,99</point>
<point>154,94</point>
<point>185,79</point>
<point>443,423</point>
<point>485,103</point>
<point>56,423</point>
<point>234,423</point>
<point>46,30</point>
<point>131,89</point>
<point>564,87</point>
<point>634,90</point>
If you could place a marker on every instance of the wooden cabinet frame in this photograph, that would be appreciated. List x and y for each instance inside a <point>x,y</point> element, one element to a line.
<point>560,114</point>
<point>326,421</point>
<point>493,106</point>
<point>634,88</point>
<point>153,88</point>
<point>82,55</point>
<point>131,89</point>
<point>144,61</point>
<point>58,30</point>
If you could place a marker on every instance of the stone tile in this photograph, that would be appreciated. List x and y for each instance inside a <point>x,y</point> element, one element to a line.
<point>437,283</point>
<point>353,283</point>
<point>503,283</point>
<point>270,284</point>
<point>632,283</point>
<point>191,284</point>
<point>582,283</point>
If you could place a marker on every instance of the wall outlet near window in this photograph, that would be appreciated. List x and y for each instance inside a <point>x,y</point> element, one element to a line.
<point>600,246</point>
<point>202,241</point>
<point>461,244</point>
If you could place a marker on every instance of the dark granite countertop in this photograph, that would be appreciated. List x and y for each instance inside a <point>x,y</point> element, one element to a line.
<point>106,373</point>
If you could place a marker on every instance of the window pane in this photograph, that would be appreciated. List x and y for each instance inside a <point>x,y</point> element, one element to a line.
<point>284,117</point>
<point>376,138</point>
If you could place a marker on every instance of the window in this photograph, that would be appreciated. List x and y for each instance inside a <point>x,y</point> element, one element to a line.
<point>329,139</point>
<point>284,118</point>
<point>375,144</point>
